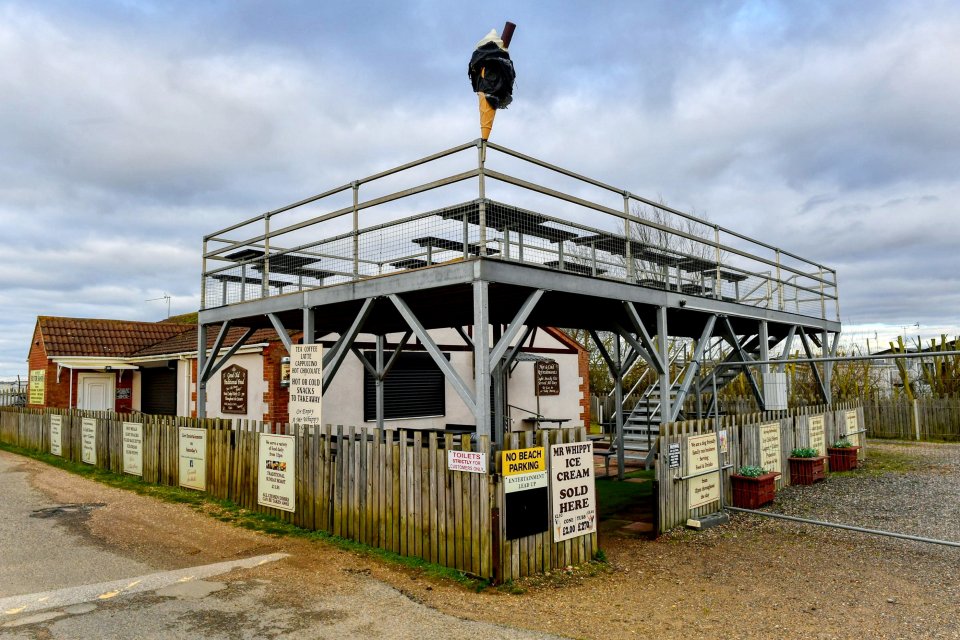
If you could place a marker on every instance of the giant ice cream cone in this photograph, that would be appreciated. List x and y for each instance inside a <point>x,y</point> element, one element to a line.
<point>491,74</point>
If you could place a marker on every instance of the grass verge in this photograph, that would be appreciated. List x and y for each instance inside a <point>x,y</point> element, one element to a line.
<point>230,512</point>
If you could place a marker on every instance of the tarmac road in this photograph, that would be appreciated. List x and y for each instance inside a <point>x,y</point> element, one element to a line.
<point>64,573</point>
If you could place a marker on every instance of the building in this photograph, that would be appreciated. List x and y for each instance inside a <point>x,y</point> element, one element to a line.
<point>126,366</point>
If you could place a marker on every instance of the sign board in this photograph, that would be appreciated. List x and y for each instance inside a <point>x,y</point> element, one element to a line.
<point>133,448</point>
<point>703,458</point>
<point>306,384</point>
<point>853,425</point>
<point>722,441</point>
<point>56,435</point>
<point>547,374</point>
<point>88,441</point>
<point>233,390</point>
<point>770,446</point>
<point>573,494</point>
<point>519,461</point>
<point>816,434</point>
<point>123,393</point>
<point>37,378</point>
<point>673,455</point>
<point>277,472</point>
<point>525,482</point>
<point>285,372</point>
<point>469,461</point>
<point>193,458</point>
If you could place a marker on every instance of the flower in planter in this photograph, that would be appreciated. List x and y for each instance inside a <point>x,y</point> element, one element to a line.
<point>842,443</point>
<point>749,471</point>
<point>805,452</point>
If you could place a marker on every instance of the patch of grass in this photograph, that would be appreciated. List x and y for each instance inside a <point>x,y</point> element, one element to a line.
<point>881,461</point>
<point>232,513</point>
<point>614,496</point>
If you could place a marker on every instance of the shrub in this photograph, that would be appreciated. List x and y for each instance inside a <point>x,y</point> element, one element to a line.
<point>751,471</point>
<point>842,443</point>
<point>804,452</point>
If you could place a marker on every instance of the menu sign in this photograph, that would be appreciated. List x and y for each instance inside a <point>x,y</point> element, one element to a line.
<point>233,390</point>
<point>547,377</point>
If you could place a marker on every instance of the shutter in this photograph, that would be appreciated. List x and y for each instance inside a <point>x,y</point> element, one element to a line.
<point>158,391</point>
<point>414,388</point>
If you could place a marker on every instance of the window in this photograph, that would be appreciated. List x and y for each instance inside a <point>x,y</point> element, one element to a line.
<point>414,388</point>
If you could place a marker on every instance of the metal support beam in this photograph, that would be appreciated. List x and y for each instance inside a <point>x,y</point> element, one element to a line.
<point>201,365</point>
<point>205,372</point>
<point>693,367</point>
<point>787,346</point>
<point>396,353</point>
<point>229,354</point>
<point>448,371</point>
<point>281,332</point>
<point>618,395</point>
<point>663,353</point>
<point>659,361</point>
<point>371,369</point>
<point>334,358</point>
<point>379,380</point>
<point>730,336</point>
<point>309,326</point>
<point>515,326</point>
<point>764,347</point>
<point>463,334</point>
<point>637,350</point>
<point>481,351</point>
<point>824,392</point>
<point>515,351</point>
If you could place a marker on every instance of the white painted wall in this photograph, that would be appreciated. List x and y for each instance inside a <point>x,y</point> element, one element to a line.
<point>256,388</point>
<point>343,402</point>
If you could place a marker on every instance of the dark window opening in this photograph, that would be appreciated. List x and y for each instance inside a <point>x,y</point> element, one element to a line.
<point>414,388</point>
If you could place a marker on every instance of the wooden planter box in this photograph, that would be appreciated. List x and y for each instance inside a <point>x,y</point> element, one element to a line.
<point>751,493</point>
<point>807,470</point>
<point>844,459</point>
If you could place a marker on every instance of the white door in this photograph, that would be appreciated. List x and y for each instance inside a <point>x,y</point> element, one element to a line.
<point>96,391</point>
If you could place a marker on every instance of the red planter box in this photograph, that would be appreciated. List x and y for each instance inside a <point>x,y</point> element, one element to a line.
<point>807,470</point>
<point>844,459</point>
<point>751,493</point>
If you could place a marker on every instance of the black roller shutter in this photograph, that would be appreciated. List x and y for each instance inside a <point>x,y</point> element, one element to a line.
<point>414,388</point>
<point>158,391</point>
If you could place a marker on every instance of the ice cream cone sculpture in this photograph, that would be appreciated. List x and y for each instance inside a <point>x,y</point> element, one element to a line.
<point>491,75</point>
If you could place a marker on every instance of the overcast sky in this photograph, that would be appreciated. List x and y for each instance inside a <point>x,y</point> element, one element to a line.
<point>130,129</point>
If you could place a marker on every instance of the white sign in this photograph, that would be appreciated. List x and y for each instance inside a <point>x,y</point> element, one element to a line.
<point>574,500</point>
<point>306,384</point>
<point>56,435</point>
<point>88,441</point>
<point>770,446</point>
<point>815,431</point>
<point>469,461</point>
<point>193,458</point>
<point>703,462</point>
<point>850,417</point>
<point>133,448</point>
<point>277,472</point>
<point>524,481</point>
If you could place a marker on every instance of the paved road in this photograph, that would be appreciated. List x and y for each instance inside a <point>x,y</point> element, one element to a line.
<point>58,580</point>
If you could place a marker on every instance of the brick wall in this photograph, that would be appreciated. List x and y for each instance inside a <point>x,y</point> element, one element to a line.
<point>583,362</point>
<point>276,397</point>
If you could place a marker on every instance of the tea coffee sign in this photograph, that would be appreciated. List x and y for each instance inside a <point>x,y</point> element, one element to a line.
<point>547,377</point>
<point>233,390</point>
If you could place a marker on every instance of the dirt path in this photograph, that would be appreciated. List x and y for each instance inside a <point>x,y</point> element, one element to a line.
<point>755,578</point>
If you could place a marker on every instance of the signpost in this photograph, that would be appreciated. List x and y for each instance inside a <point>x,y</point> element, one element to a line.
<point>233,390</point>
<point>37,379</point>
<point>56,435</point>
<point>133,448</point>
<point>547,377</point>
<point>277,472</point>
<point>88,441</point>
<point>573,494</point>
<point>703,462</point>
<point>306,384</point>
<point>193,458</point>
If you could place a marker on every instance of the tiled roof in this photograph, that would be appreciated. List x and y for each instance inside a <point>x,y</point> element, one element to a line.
<point>186,342</point>
<point>101,338</point>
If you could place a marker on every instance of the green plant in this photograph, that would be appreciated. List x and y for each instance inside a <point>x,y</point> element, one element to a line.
<point>749,471</point>
<point>600,556</point>
<point>804,452</point>
<point>842,443</point>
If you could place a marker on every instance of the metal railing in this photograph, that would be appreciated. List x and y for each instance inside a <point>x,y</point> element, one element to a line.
<point>461,207</point>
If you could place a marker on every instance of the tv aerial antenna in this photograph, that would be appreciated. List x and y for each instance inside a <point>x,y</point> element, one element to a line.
<point>166,296</point>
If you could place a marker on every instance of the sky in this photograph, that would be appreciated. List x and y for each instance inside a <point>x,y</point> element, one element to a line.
<point>130,129</point>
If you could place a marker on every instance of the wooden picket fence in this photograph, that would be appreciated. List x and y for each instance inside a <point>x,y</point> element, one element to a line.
<point>390,489</point>
<point>742,436</point>
<point>926,418</point>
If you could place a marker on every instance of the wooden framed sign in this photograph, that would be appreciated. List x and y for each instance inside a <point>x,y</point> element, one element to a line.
<point>233,390</point>
<point>547,373</point>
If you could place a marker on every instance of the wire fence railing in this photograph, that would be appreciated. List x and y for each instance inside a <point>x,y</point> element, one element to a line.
<point>460,209</point>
